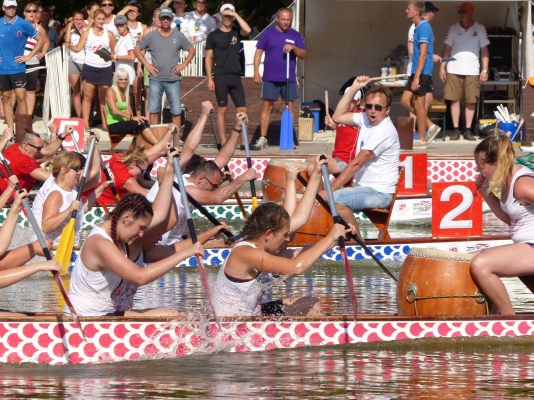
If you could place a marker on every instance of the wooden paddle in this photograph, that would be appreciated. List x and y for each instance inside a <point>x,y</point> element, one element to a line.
<point>193,232</point>
<point>341,240</point>
<point>249,165</point>
<point>326,107</point>
<point>383,78</point>
<point>66,242</point>
<point>46,251</point>
<point>352,236</point>
<point>219,146</point>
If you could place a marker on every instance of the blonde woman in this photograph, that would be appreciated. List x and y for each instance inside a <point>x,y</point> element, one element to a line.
<point>119,114</point>
<point>495,158</point>
<point>56,200</point>
<point>97,73</point>
<point>127,167</point>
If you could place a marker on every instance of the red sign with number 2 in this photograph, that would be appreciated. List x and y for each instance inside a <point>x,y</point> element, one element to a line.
<point>456,211</point>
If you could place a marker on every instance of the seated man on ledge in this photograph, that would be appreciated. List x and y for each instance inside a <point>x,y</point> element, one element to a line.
<point>376,165</point>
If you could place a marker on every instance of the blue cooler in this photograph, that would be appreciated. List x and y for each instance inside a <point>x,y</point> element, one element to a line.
<point>509,127</point>
<point>315,109</point>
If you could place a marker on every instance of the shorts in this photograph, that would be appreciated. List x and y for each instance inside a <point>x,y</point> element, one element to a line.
<point>146,80</point>
<point>98,76</point>
<point>155,96</point>
<point>425,85</point>
<point>299,307</point>
<point>362,198</point>
<point>456,85</point>
<point>13,81</point>
<point>341,164</point>
<point>273,90</point>
<point>229,84</point>
<point>75,68</point>
<point>31,80</point>
<point>115,314</point>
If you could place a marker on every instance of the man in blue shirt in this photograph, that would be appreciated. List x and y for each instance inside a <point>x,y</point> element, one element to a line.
<point>14,32</point>
<point>420,82</point>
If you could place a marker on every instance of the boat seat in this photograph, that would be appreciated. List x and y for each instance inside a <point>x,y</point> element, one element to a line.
<point>380,217</point>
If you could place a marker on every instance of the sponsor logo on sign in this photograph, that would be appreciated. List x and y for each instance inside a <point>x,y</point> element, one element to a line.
<point>423,207</point>
<point>477,246</point>
<point>453,247</point>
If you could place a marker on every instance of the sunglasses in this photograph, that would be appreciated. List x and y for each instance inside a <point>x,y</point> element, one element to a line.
<point>11,8</point>
<point>165,18</point>
<point>462,11</point>
<point>107,5</point>
<point>31,11</point>
<point>38,148</point>
<point>77,169</point>
<point>213,187</point>
<point>122,79</point>
<point>377,107</point>
<point>143,171</point>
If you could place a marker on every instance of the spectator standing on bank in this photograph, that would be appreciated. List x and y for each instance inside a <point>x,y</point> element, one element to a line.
<point>14,33</point>
<point>76,61</point>
<point>107,6</point>
<point>203,23</point>
<point>466,41</point>
<point>222,56</point>
<point>165,45</point>
<point>261,24</point>
<point>278,43</point>
<point>420,81</point>
<point>51,32</point>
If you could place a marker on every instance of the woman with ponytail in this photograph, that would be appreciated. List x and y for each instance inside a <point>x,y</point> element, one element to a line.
<point>111,265</point>
<point>495,158</point>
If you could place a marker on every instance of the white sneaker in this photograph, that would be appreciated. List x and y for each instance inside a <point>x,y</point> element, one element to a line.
<point>432,133</point>
<point>261,143</point>
<point>419,144</point>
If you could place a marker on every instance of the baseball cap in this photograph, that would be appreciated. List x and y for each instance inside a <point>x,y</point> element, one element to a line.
<point>132,3</point>
<point>166,12</point>
<point>430,7</point>
<point>9,3</point>
<point>121,20</point>
<point>227,7</point>
<point>357,96</point>
<point>467,6</point>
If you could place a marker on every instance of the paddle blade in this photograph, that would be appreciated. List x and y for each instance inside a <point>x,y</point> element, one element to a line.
<point>65,246</point>
<point>69,304</point>
<point>206,287</point>
<point>117,198</point>
<point>286,131</point>
<point>254,203</point>
<point>350,282</point>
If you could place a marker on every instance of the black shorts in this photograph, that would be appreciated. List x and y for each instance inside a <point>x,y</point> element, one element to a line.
<point>425,85</point>
<point>13,81</point>
<point>229,83</point>
<point>31,80</point>
<point>275,307</point>
<point>128,127</point>
<point>115,314</point>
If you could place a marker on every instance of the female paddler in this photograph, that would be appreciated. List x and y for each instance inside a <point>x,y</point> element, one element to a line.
<point>111,264</point>
<point>56,199</point>
<point>245,274</point>
<point>495,157</point>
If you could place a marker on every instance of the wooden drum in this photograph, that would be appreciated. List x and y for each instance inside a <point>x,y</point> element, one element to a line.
<point>274,178</point>
<point>318,226</point>
<point>435,282</point>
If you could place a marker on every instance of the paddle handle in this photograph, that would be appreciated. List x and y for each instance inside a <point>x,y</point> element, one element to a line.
<point>287,79</point>
<point>328,187</point>
<point>215,131</point>
<point>85,173</point>
<point>383,78</point>
<point>249,164</point>
<point>76,144</point>
<point>108,178</point>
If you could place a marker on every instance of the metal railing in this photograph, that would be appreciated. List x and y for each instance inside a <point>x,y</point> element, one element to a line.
<point>196,66</point>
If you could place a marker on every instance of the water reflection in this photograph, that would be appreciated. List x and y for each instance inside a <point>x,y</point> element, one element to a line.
<point>481,368</point>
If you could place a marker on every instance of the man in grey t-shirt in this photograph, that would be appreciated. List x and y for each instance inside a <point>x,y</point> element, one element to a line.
<point>164,45</point>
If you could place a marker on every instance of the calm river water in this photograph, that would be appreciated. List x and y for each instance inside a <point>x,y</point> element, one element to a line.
<point>438,368</point>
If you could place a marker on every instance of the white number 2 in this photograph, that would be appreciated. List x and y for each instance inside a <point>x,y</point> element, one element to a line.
<point>448,221</point>
<point>408,172</point>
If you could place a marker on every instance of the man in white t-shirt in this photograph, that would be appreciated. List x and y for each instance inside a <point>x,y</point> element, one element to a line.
<point>465,41</point>
<point>204,24</point>
<point>376,165</point>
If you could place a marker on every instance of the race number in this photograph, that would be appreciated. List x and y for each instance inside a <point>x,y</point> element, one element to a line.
<point>79,129</point>
<point>414,181</point>
<point>456,211</point>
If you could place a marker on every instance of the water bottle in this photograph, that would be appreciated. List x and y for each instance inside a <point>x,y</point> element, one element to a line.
<point>384,71</point>
<point>392,71</point>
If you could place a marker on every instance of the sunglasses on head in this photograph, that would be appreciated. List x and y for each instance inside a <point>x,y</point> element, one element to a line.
<point>377,107</point>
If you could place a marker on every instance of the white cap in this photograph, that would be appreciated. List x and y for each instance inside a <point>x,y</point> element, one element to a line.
<point>9,3</point>
<point>227,7</point>
<point>357,96</point>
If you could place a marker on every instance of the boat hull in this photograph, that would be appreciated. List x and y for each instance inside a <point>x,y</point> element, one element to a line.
<point>50,340</point>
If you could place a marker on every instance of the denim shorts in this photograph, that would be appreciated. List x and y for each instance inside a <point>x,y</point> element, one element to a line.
<point>273,90</point>
<point>361,198</point>
<point>341,164</point>
<point>171,89</point>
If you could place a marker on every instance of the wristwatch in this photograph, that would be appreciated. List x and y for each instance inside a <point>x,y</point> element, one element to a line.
<point>61,138</point>
<point>485,70</point>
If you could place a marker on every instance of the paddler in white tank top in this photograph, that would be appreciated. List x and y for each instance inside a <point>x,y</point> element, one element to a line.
<point>110,268</point>
<point>495,158</point>
<point>241,281</point>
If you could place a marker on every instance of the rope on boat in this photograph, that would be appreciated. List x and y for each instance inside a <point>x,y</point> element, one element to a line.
<point>56,102</point>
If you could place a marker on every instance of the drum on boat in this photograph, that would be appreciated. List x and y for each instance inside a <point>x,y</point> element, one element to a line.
<point>317,227</point>
<point>435,282</point>
<point>274,178</point>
